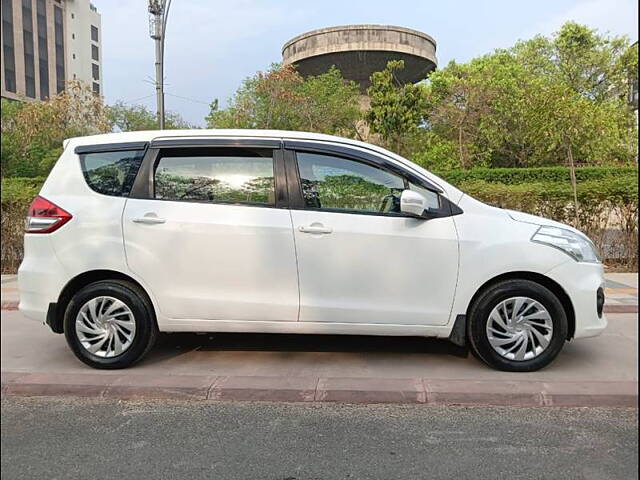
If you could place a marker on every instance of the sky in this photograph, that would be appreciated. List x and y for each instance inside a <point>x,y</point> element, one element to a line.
<point>211,45</point>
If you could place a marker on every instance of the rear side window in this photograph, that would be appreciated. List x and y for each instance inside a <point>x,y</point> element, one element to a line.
<point>111,173</point>
<point>217,175</point>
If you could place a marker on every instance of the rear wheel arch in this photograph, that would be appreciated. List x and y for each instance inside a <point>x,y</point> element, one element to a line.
<point>56,318</point>
<point>543,280</point>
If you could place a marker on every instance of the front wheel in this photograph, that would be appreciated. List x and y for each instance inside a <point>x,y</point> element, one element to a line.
<point>517,325</point>
<point>110,324</point>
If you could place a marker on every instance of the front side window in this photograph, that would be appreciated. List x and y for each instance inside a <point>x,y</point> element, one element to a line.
<point>111,173</point>
<point>335,183</point>
<point>218,175</point>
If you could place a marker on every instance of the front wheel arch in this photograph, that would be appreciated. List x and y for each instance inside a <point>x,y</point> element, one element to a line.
<point>546,282</point>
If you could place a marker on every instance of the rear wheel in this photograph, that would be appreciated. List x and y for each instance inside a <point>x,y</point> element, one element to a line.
<point>110,324</point>
<point>517,325</point>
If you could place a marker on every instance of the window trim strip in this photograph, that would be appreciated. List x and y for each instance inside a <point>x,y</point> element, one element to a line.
<point>216,142</point>
<point>110,147</point>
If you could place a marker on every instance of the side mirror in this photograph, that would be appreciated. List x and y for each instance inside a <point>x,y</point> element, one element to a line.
<point>413,203</point>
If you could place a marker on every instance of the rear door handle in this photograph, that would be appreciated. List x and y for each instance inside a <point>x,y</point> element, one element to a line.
<point>148,219</point>
<point>315,228</point>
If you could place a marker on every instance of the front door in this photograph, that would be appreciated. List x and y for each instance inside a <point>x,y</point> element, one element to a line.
<point>210,241</point>
<point>359,259</point>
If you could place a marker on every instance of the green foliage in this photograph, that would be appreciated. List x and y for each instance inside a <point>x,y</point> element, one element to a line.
<point>20,189</point>
<point>282,99</point>
<point>396,108</point>
<point>17,195</point>
<point>546,101</point>
<point>130,118</point>
<point>33,132</point>
<point>513,176</point>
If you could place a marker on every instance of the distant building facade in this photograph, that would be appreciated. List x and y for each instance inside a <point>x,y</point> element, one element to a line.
<point>45,43</point>
<point>84,40</point>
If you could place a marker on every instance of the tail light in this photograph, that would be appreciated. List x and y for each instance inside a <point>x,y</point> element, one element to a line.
<point>45,216</point>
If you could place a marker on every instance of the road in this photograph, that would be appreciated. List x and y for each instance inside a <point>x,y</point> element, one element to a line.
<point>72,438</point>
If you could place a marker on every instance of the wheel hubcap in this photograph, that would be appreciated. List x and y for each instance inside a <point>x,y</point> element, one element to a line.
<point>105,327</point>
<point>519,328</point>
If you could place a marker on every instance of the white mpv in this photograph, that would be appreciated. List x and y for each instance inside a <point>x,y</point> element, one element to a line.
<point>287,232</point>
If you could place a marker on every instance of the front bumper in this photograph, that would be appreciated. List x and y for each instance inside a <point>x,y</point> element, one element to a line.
<point>581,282</point>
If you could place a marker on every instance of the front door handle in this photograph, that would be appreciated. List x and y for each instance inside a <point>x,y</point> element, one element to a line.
<point>315,228</point>
<point>149,219</point>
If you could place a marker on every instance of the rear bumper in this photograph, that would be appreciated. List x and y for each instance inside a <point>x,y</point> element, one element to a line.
<point>581,282</point>
<point>41,278</point>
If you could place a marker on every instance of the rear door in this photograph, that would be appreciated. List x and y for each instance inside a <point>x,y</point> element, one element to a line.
<point>208,230</point>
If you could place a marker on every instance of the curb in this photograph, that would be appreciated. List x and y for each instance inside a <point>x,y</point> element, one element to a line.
<point>13,305</point>
<point>314,389</point>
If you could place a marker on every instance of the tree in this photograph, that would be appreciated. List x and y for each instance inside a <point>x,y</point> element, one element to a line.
<point>33,132</point>
<point>396,108</point>
<point>457,100</point>
<point>594,66</point>
<point>511,107</point>
<point>282,99</point>
<point>130,118</point>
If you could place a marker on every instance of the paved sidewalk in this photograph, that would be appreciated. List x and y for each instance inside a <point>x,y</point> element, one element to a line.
<point>621,292</point>
<point>600,371</point>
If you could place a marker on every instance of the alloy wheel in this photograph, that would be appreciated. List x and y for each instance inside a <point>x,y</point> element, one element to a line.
<point>105,326</point>
<point>519,328</point>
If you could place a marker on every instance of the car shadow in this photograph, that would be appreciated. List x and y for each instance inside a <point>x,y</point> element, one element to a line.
<point>174,344</point>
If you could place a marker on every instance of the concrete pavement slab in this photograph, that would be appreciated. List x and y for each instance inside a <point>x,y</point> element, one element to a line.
<point>473,392</point>
<point>371,390</point>
<point>253,388</point>
<point>194,387</point>
<point>591,394</point>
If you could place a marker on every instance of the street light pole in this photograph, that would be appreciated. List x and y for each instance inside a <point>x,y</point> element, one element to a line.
<point>158,10</point>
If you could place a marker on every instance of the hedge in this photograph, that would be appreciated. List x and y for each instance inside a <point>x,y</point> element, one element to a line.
<point>607,198</point>
<point>512,176</point>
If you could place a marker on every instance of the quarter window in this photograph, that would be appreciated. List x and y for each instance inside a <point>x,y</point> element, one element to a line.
<point>111,173</point>
<point>335,183</point>
<point>433,199</point>
<point>219,175</point>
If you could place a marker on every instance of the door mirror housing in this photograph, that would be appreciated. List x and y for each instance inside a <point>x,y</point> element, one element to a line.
<point>413,203</point>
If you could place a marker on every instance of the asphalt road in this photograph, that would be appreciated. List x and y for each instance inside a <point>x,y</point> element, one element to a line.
<point>72,438</point>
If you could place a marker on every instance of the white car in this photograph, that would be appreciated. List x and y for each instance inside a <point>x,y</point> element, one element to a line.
<point>288,232</point>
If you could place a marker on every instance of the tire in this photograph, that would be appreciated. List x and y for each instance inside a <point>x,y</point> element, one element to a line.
<point>135,331</point>
<point>498,302</point>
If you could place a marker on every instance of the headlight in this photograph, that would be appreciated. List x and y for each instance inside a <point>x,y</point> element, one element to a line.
<point>576,246</point>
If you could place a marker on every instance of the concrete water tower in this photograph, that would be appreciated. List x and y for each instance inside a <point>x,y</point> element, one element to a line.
<point>360,50</point>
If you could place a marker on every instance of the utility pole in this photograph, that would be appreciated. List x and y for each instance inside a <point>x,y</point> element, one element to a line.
<point>158,12</point>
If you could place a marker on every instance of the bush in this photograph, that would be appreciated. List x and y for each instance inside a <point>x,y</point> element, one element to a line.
<point>17,194</point>
<point>510,176</point>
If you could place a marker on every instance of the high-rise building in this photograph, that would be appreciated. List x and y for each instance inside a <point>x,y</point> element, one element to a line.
<point>45,43</point>
<point>84,47</point>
